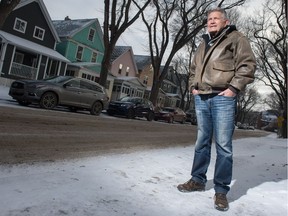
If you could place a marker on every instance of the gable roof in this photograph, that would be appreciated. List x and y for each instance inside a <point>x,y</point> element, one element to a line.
<point>44,10</point>
<point>142,61</point>
<point>118,51</point>
<point>68,27</point>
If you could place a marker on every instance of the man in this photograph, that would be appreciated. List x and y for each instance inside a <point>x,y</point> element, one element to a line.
<point>222,66</point>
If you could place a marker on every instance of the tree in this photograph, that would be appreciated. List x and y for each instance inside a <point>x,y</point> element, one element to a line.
<point>171,25</point>
<point>246,102</point>
<point>117,18</point>
<point>6,7</point>
<point>270,46</point>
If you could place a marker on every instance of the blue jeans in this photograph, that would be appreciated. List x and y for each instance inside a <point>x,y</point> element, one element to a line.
<point>215,116</point>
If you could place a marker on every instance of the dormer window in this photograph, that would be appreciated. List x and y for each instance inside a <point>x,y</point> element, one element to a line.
<point>91,34</point>
<point>39,33</point>
<point>20,25</point>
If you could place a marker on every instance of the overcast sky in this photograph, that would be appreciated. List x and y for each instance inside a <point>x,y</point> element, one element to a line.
<point>76,9</point>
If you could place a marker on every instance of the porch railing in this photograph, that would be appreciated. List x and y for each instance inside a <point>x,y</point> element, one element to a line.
<point>23,71</point>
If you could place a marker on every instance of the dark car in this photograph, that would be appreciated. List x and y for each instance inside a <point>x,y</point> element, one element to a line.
<point>132,107</point>
<point>170,115</point>
<point>191,116</point>
<point>74,93</point>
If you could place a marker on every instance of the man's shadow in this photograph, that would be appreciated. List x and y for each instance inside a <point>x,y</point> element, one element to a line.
<point>262,163</point>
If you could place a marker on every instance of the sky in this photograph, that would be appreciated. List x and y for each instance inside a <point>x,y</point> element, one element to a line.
<point>135,36</point>
<point>144,183</point>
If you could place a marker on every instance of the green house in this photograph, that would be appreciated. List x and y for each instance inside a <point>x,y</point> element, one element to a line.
<point>81,43</point>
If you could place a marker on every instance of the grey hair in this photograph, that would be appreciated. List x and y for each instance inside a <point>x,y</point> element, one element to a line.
<point>222,11</point>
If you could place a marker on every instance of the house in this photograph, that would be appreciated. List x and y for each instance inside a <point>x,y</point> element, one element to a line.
<point>82,43</point>
<point>168,92</point>
<point>124,69</point>
<point>27,44</point>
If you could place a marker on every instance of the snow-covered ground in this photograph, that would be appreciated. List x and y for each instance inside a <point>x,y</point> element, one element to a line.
<point>144,183</point>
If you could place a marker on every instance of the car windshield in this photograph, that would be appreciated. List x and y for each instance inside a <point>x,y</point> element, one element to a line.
<point>130,99</point>
<point>57,79</point>
<point>168,109</point>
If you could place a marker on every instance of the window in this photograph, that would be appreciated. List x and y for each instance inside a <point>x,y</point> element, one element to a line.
<point>91,34</point>
<point>79,53</point>
<point>94,57</point>
<point>18,58</point>
<point>20,25</point>
<point>145,81</point>
<point>127,71</point>
<point>120,69</point>
<point>38,33</point>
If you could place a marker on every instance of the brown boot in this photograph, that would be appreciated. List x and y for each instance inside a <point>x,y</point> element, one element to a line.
<point>220,202</point>
<point>191,186</point>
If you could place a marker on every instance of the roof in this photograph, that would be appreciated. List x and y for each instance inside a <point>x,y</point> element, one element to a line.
<point>68,28</point>
<point>142,61</point>
<point>29,45</point>
<point>44,10</point>
<point>118,51</point>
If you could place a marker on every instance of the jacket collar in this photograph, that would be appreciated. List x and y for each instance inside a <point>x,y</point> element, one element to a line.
<point>210,41</point>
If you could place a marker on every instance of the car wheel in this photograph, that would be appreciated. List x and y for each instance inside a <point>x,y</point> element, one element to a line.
<point>23,103</point>
<point>110,113</point>
<point>130,114</point>
<point>96,108</point>
<point>183,121</point>
<point>48,100</point>
<point>150,116</point>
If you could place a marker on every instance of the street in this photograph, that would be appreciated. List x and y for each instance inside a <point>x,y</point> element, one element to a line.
<point>31,134</point>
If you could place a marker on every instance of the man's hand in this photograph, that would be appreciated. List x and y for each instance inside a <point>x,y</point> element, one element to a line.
<point>227,93</point>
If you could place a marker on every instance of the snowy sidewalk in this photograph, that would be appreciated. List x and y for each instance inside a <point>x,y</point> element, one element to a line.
<point>144,184</point>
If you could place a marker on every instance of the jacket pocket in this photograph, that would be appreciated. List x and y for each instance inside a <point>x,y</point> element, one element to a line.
<point>224,66</point>
<point>221,74</point>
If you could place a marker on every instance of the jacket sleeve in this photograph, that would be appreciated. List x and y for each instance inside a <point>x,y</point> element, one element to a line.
<point>192,75</point>
<point>245,64</point>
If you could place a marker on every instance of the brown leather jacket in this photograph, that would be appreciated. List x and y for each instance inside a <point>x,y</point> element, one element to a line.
<point>229,62</point>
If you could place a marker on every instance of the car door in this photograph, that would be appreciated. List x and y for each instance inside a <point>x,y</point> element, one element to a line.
<point>90,93</point>
<point>71,93</point>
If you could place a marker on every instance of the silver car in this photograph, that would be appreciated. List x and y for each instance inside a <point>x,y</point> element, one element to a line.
<point>72,92</point>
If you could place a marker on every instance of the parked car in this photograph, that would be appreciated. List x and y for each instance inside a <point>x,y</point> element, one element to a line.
<point>132,107</point>
<point>74,93</point>
<point>191,116</point>
<point>170,115</point>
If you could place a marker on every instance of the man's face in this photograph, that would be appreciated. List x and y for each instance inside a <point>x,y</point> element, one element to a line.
<point>216,22</point>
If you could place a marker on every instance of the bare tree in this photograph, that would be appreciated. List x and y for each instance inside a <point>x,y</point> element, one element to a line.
<point>171,25</point>
<point>6,7</point>
<point>247,100</point>
<point>118,16</point>
<point>270,47</point>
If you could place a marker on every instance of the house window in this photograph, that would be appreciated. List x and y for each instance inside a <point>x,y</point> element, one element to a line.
<point>127,71</point>
<point>79,53</point>
<point>120,69</point>
<point>18,58</point>
<point>145,81</point>
<point>38,33</point>
<point>20,25</point>
<point>94,57</point>
<point>91,34</point>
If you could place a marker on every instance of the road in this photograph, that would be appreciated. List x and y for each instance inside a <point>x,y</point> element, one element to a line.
<point>29,135</point>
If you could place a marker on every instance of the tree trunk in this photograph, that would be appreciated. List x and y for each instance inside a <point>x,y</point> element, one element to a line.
<point>6,7</point>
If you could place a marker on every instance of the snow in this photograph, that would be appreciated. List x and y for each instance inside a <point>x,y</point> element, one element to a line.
<point>144,183</point>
